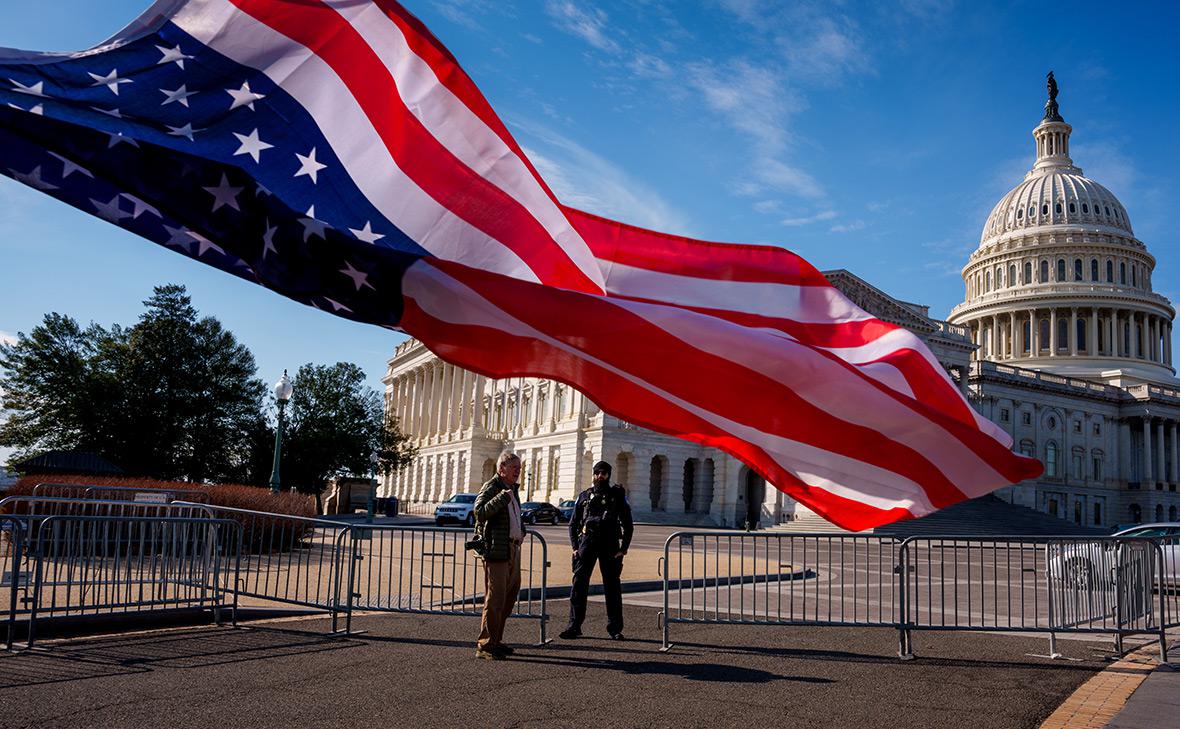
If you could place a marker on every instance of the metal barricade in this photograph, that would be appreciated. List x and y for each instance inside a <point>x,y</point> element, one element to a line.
<point>779,579</point>
<point>12,546</point>
<point>148,494</point>
<point>293,560</point>
<point>1032,584</point>
<point>428,570</point>
<point>89,565</point>
<point>1169,580</point>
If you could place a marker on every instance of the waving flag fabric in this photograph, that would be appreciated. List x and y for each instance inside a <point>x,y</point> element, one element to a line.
<point>335,152</point>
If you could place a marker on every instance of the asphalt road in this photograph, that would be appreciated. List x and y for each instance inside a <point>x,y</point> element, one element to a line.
<point>420,671</point>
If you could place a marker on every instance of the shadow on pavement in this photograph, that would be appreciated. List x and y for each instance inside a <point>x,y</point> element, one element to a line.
<point>711,672</point>
<point>124,654</point>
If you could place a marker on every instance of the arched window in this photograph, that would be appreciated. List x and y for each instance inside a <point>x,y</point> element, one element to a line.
<point>999,277</point>
<point>988,281</point>
<point>1044,271</point>
<point>1085,208</point>
<point>1134,278</point>
<point>1062,334</point>
<point>1060,269</point>
<point>1136,513</point>
<point>1057,208</point>
<point>1097,513</point>
<point>1027,273</point>
<point>1012,275</point>
<point>1093,269</point>
<point>1051,459</point>
<point>1171,513</point>
<point>1109,271</point>
<point>1077,269</point>
<point>1107,210</point>
<point>1020,214</point>
<point>1081,333</point>
<point>1159,512</point>
<point>1072,208</point>
<point>1043,335</point>
<point>1032,210</point>
<point>1123,273</point>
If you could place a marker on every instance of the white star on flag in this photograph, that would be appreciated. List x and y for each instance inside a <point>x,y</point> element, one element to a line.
<point>203,243</point>
<point>251,144</point>
<point>34,90</point>
<point>172,55</point>
<point>308,165</point>
<point>366,233</point>
<point>186,131</point>
<point>178,237</point>
<point>337,306</point>
<point>109,211</point>
<point>224,194</point>
<point>180,95</point>
<point>140,207</point>
<point>68,167</point>
<point>359,278</point>
<point>111,80</point>
<point>311,226</point>
<point>38,109</point>
<point>268,240</point>
<point>32,179</point>
<point>118,138</point>
<point>244,97</point>
<point>109,112</point>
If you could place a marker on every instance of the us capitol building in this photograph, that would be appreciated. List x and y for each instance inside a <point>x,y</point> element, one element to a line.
<point>1060,340</point>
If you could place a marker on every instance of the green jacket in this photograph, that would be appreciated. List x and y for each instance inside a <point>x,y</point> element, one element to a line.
<point>491,518</point>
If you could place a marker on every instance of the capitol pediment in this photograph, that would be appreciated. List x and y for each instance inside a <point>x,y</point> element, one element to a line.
<point>877,302</point>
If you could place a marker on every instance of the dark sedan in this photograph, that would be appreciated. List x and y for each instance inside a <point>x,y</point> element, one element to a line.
<point>539,512</point>
<point>566,509</point>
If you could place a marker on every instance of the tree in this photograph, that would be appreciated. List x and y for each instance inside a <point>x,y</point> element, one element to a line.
<point>172,397</point>
<point>334,426</point>
<point>56,391</point>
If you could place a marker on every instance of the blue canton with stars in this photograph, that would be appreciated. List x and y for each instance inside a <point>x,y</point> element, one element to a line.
<point>171,140</point>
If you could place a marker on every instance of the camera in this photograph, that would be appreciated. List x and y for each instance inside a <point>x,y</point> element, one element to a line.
<point>477,545</point>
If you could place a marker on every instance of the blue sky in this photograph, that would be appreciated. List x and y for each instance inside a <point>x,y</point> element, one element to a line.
<point>874,137</point>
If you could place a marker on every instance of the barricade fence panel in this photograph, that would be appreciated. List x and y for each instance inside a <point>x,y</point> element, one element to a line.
<point>89,565</point>
<point>288,559</point>
<point>148,494</point>
<point>784,579</point>
<point>13,581</point>
<point>430,570</point>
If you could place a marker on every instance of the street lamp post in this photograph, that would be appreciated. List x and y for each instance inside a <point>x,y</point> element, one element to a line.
<point>282,392</point>
<point>373,488</point>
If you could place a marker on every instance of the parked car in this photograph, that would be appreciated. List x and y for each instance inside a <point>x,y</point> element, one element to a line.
<point>565,508</point>
<point>458,509</point>
<point>1091,564</point>
<point>538,512</point>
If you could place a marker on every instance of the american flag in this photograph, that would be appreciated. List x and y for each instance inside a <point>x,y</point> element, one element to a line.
<point>335,152</point>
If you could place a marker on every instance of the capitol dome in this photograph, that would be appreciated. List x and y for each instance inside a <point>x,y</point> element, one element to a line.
<point>1059,282</point>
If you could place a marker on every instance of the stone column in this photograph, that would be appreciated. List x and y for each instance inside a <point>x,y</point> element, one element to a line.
<point>1145,476</point>
<point>1073,331</point>
<point>1175,452</point>
<point>1034,337</point>
<point>422,387</point>
<point>1159,453</point>
<point>1125,449</point>
<point>455,400</point>
<point>1093,348</point>
<point>1143,337</point>
<point>1113,326</point>
<point>1052,332</point>
<point>991,339</point>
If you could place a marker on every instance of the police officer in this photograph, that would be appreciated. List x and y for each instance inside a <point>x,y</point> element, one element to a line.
<point>600,531</point>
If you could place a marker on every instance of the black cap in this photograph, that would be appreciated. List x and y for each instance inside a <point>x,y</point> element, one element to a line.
<point>602,466</point>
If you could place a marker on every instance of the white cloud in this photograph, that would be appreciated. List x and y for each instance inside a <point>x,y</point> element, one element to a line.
<point>848,227</point>
<point>462,12</point>
<point>589,24</point>
<point>818,217</point>
<point>1107,165</point>
<point>585,180</point>
<point>7,337</point>
<point>768,206</point>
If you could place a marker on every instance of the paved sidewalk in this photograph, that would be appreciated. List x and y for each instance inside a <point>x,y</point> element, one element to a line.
<point>420,671</point>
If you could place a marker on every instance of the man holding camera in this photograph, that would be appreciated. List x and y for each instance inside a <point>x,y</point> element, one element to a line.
<point>499,525</point>
<point>600,531</point>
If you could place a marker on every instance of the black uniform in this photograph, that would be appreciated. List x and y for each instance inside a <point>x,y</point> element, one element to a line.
<point>600,528</point>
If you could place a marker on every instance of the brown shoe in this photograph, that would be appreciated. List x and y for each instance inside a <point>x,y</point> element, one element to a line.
<point>489,655</point>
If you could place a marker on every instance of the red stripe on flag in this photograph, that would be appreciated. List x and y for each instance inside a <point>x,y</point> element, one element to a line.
<point>430,165</point>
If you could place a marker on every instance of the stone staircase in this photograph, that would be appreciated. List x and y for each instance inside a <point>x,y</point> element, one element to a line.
<point>985,516</point>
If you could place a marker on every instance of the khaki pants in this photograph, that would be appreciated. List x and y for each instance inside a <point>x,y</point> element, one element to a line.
<point>501,586</point>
